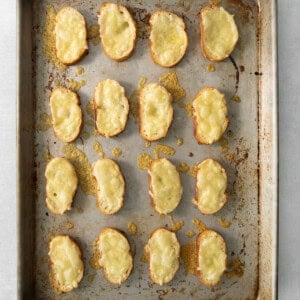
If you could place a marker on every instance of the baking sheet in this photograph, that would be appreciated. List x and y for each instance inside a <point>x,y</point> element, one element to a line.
<point>240,152</point>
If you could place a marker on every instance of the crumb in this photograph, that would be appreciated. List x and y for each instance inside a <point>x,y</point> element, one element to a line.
<point>132,228</point>
<point>201,226</point>
<point>171,83</point>
<point>147,144</point>
<point>190,233</point>
<point>211,68</point>
<point>188,253</point>
<point>183,167</point>
<point>75,85</point>
<point>236,99</point>
<point>224,223</point>
<point>143,161</point>
<point>193,170</point>
<point>176,226</point>
<point>69,226</point>
<point>98,149</point>
<point>145,258</point>
<point>79,70</point>
<point>180,141</point>
<point>188,107</point>
<point>117,152</point>
<point>165,149</point>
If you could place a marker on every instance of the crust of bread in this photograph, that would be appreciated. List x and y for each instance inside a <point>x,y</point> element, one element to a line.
<point>84,51</point>
<point>76,102</point>
<point>71,175</point>
<point>59,288</point>
<point>119,104</point>
<point>176,255</point>
<point>120,184</point>
<point>106,272</point>
<point>165,117</point>
<point>132,22</point>
<point>154,56</point>
<point>205,53</point>
<point>201,237</point>
<point>201,139</point>
<point>201,209</point>
<point>170,189</point>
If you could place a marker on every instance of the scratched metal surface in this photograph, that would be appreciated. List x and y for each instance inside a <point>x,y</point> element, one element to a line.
<point>239,75</point>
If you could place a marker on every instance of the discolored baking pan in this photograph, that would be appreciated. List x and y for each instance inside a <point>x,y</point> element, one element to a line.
<point>248,152</point>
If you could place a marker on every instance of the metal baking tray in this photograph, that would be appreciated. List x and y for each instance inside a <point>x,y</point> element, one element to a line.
<point>248,153</point>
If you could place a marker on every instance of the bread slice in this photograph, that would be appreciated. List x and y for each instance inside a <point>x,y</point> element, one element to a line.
<point>61,185</point>
<point>163,249</point>
<point>111,107</point>
<point>168,38</point>
<point>66,263</point>
<point>114,255</point>
<point>156,111</point>
<point>110,186</point>
<point>66,114</point>
<point>117,31</point>
<point>70,36</point>
<point>211,187</point>
<point>210,115</point>
<point>219,33</point>
<point>165,186</point>
<point>211,257</point>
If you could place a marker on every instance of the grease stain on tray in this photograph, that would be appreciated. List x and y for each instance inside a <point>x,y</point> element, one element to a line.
<point>82,167</point>
<point>235,268</point>
<point>44,122</point>
<point>93,34</point>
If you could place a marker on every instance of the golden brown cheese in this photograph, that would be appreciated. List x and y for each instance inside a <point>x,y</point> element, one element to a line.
<point>66,114</point>
<point>70,36</point>
<point>211,257</point>
<point>164,249</point>
<point>61,185</point>
<point>165,186</point>
<point>168,39</point>
<point>66,263</point>
<point>111,107</point>
<point>110,185</point>
<point>219,32</point>
<point>210,115</point>
<point>115,256</point>
<point>156,111</point>
<point>117,31</point>
<point>210,187</point>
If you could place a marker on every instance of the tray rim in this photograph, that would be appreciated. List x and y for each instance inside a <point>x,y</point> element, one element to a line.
<point>269,7</point>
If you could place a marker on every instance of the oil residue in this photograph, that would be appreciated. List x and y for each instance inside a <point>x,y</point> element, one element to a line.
<point>135,98</point>
<point>93,34</point>
<point>82,167</point>
<point>236,268</point>
<point>44,122</point>
<point>224,223</point>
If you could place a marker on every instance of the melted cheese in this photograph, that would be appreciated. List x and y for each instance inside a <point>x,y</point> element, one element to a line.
<point>210,115</point>
<point>70,33</point>
<point>66,114</point>
<point>164,249</point>
<point>168,39</point>
<point>211,187</point>
<point>219,32</point>
<point>211,257</point>
<point>111,107</point>
<point>61,184</point>
<point>110,185</point>
<point>165,186</point>
<point>115,256</point>
<point>117,30</point>
<point>156,111</point>
<point>67,266</point>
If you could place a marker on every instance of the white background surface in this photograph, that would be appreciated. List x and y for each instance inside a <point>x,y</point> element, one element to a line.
<point>289,142</point>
